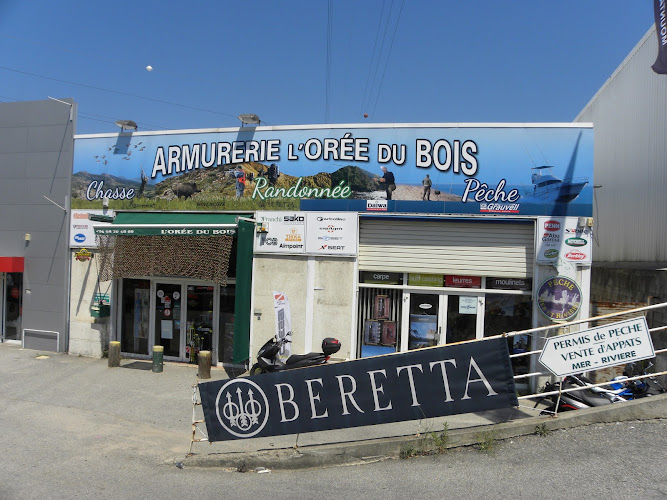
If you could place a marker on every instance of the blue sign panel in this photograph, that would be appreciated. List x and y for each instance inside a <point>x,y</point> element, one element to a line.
<point>522,170</point>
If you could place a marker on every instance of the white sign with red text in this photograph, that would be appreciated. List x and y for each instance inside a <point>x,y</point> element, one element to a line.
<point>563,239</point>
<point>81,232</point>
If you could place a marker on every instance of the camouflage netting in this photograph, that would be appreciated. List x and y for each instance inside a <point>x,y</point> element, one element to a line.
<point>202,257</point>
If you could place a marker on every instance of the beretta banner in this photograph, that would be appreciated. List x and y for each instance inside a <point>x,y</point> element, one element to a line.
<point>425,383</point>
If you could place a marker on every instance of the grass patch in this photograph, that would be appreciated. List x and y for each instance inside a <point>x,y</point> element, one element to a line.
<point>441,439</point>
<point>407,451</point>
<point>487,442</point>
<point>542,430</point>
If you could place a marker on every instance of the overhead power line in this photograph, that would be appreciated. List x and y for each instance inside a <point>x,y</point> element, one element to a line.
<point>111,91</point>
<point>391,45</point>
<point>370,65</point>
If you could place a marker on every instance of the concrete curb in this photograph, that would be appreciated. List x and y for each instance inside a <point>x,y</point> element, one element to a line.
<point>365,451</point>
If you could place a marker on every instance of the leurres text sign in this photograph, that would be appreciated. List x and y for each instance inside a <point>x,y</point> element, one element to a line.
<point>424,383</point>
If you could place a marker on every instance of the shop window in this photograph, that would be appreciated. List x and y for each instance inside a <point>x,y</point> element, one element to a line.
<point>509,313</point>
<point>13,306</point>
<point>199,320</point>
<point>134,324</point>
<point>379,319</point>
<point>226,331</point>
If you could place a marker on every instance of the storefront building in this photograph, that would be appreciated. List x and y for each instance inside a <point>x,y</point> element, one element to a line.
<point>478,236</point>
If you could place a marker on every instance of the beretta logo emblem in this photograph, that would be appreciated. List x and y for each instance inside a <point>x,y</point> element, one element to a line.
<point>242,407</point>
<point>576,242</point>
<point>552,225</point>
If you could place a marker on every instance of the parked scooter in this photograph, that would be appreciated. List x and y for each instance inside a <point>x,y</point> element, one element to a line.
<point>575,400</point>
<point>268,359</point>
<point>634,389</point>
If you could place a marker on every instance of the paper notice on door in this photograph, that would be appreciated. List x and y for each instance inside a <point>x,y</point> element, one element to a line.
<point>166,329</point>
<point>467,305</point>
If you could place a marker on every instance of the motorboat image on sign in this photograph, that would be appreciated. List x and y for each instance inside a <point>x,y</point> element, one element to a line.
<point>547,186</point>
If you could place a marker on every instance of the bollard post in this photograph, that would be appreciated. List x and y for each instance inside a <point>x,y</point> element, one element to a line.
<point>114,354</point>
<point>158,358</point>
<point>204,364</point>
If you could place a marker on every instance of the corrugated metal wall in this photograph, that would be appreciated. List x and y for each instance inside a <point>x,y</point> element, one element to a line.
<point>629,115</point>
<point>444,247</point>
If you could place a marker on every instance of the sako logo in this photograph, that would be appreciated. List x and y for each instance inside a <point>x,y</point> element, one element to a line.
<point>552,225</point>
<point>79,238</point>
<point>242,407</point>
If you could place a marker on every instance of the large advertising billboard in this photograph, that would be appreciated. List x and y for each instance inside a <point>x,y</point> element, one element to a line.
<point>481,169</point>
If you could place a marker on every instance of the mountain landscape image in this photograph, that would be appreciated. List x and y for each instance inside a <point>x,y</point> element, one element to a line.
<point>215,188</point>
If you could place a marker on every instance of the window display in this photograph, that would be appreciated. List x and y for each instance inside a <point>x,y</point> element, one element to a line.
<point>379,313</point>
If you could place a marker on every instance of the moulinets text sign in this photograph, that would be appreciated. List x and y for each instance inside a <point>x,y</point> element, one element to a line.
<point>424,383</point>
<point>608,345</point>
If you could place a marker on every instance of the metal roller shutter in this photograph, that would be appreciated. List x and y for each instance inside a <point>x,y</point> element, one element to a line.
<point>447,247</point>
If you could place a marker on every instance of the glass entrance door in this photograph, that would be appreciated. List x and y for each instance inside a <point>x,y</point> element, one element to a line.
<point>424,320</point>
<point>462,312</point>
<point>11,306</point>
<point>429,312</point>
<point>168,319</point>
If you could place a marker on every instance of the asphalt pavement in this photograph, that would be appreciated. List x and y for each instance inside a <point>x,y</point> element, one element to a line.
<point>73,428</point>
<point>149,415</point>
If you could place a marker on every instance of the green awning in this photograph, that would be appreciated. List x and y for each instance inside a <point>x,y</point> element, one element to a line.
<point>170,224</point>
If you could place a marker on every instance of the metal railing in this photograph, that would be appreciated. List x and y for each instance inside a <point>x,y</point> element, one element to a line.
<point>567,326</point>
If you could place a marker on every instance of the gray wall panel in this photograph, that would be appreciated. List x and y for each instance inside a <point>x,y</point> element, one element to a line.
<point>44,218</point>
<point>13,140</point>
<point>40,165</point>
<point>44,245</point>
<point>36,143</point>
<point>49,270</point>
<point>34,113</point>
<point>629,114</point>
<point>50,138</point>
<point>12,165</point>
<point>13,191</point>
<point>53,188</point>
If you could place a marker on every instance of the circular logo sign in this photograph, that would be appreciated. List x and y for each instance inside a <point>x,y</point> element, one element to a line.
<point>79,237</point>
<point>242,407</point>
<point>559,298</point>
<point>551,253</point>
<point>576,242</point>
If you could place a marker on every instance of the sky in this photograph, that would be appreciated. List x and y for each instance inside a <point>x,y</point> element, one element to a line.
<point>315,61</point>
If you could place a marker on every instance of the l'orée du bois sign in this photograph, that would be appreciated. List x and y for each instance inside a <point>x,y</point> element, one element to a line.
<point>425,383</point>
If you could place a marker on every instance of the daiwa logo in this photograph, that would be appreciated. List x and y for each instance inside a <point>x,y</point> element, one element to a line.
<point>376,205</point>
<point>552,225</point>
<point>576,255</point>
<point>242,407</point>
<point>79,238</point>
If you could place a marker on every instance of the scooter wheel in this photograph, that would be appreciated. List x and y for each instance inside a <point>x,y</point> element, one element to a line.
<point>256,369</point>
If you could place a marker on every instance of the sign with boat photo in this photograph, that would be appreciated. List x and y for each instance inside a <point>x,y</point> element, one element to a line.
<point>469,169</point>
